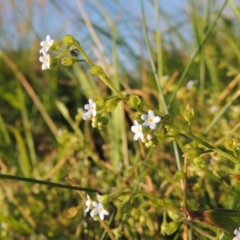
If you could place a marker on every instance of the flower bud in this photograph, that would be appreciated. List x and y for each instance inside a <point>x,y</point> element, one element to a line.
<point>191,153</point>
<point>111,104</point>
<point>67,61</point>
<point>232,143</point>
<point>96,70</point>
<point>199,162</point>
<point>100,101</point>
<point>104,199</point>
<point>69,40</point>
<point>188,114</point>
<point>179,175</point>
<point>56,45</point>
<point>134,101</point>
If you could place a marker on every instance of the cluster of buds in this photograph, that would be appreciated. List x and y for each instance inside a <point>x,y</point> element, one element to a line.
<point>93,113</point>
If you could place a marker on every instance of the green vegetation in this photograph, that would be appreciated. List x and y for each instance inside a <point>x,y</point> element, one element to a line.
<point>182,183</point>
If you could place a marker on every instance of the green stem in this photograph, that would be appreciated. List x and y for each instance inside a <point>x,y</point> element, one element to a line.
<point>105,79</point>
<point>186,70</point>
<point>189,134</point>
<point>102,75</point>
<point>219,115</point>
<point>50,184</point>
<point>156,75</point>
<point>108,230</point>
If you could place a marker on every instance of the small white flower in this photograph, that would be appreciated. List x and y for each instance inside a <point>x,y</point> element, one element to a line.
<point>191,83</point>
<point>98,210</point>
<point>237,233</point>
<point>45,59</point>
<point>91,110</point>
<point>137,129</point>
<point>213,108</point>
<point>46,44</point>
<point>150,120</point>
<point>88,204</point>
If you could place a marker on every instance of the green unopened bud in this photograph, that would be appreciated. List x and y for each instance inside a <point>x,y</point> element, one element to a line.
<point>71,212</point>
<point>104,199</point>
<point>104,121</point>
<point>179,175</point>
<point>134,101</point>
<point>67,61</point>
<point>99,126</point>
<point>199,162</point>
<point>188,114</point>
<point>171,133</point>
<point>191,153</point>
<point>111,104</point>
<point>69,40</point>
<point>56,45</point>
<point>232,143</point>
<point>96,70</point>
<point>100,101</point>
<point>151,141</point>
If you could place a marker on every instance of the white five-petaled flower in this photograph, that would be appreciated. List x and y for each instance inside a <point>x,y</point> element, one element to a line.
<point>237,234</point>
<point>46,44</point>
<point>137,129</point>
<point>98,210</point>
<point>45,59</point>
<point>150,119</point>
<point>91,110</point>
<point>88,204</point>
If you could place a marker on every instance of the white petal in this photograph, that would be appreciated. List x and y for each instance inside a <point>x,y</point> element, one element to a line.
<point>134,129</point>
<point>151,113</point>
<point>141,136</point>
<point>98,198</point>
<point>94,113</point>
<point>145,124</point>
<point>95,204</point>
<point>87,106</point>
<point>102,213</point>
<point>153,126</point>
<point>136,123</point>
<point>41,59</point>
<point>136,136</point>
<point>157,119</point>
<point>91,102</point>
<point>86,115</point>
<point>144,117</point>
<point>94,212</point>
